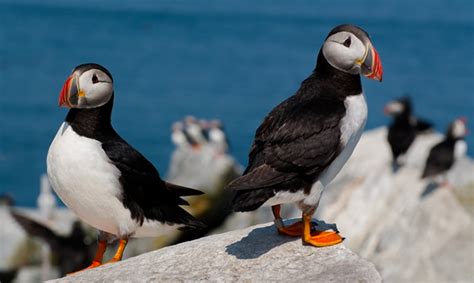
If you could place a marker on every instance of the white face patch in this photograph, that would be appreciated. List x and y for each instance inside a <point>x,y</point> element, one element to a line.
<point>343,50</point>
<point>459,129</point>
<point>394,107</point>
<point>97,88</point>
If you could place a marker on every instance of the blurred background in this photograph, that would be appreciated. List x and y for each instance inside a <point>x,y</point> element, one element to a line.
<point>232,61</point>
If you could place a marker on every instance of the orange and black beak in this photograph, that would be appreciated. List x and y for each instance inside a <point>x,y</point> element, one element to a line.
<point>372,66</point>
<point>70,93</point>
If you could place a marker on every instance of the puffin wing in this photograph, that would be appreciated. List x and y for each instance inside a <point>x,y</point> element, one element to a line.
<point>298,138</point>
<point>422,125</point>
<point>39,230</point>
<point>439,160</point>
<point>145,194</point>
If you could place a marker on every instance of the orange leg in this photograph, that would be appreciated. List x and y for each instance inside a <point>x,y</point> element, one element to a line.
<point>99,255</point>
<point>294,230</point>
<point>119,253</point>
<point>321,238</point>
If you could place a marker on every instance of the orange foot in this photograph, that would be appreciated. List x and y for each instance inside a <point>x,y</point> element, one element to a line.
<point>322,239</point>
<point>94,264</point>
<point>295,229</point>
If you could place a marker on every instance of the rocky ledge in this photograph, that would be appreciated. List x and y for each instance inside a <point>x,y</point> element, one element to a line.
<point>253,254</point>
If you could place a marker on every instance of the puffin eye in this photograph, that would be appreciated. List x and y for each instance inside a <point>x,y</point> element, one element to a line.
<point>347,42</point>
<point>95,79</point>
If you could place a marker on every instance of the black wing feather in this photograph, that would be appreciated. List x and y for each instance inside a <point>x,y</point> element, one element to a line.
<point>145,193</point>
<point>36,229</point>
<point>294,144</point>
<point>440,159</point>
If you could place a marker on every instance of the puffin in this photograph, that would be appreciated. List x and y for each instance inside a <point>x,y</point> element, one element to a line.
<point>71,251</point>
<point>217,136</point>
<point>404,127</point>
<point>104,180</point>
<point>443,155</point>
<point>178,136</point>
<point>304,142</point>
<point>195,132</point>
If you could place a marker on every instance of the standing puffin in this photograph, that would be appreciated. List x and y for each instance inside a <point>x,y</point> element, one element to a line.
<point>404,128</point>
<point>179,137</point>
<point>100,177</point>
<point>304,142</point>
<point>444,154</point>
<point>195,131</point>
<point>217,136</point>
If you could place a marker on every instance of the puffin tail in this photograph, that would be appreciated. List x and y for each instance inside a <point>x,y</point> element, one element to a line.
<point>183,191</point>
<point>249,200</point>
<point>189,222</point>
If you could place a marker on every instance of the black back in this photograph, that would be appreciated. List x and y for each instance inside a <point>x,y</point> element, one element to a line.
<point>401,134</point>
<point>404,129</point>
<point>440,159</point>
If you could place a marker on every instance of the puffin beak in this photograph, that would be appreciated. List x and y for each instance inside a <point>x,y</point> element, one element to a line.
<point>372,66</point>
<point>69,95</point>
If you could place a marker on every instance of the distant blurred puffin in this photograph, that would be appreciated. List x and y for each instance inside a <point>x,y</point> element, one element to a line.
<point>100,177</point>
<point>217,136</point>
<point>71,251</point>
<point>179,137</point>
<point>443,155</point>
<point>404,128</point>
<point>194,131</point>
<point>304,142</point>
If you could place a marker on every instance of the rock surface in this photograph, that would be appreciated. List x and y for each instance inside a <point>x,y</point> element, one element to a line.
<point>411,231</point>
<point>252,254</point>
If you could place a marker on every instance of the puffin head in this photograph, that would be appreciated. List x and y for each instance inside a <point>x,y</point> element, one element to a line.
<point>89,86</point>
<point>349,49</point>
<point>177,127</point>
<point>398,107</point>
<point>458,129</point>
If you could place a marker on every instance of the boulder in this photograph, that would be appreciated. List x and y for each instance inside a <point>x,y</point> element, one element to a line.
<point>411,230</point>
<point>253,254</point>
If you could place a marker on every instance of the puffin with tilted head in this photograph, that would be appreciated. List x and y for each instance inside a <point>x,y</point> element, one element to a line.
<point>103,179</point>
<point>304,141</point>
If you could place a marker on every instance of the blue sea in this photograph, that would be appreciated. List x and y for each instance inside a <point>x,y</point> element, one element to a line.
<point>231,60</point>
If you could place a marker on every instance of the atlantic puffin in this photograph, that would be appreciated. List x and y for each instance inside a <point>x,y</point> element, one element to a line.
<point>103,179</point>
<point>217,136</point>
<point>443,155</point>
<point>179,137</point>
<point>304,141</point>
<point>71,251</point>
<point>195,132</point>
<point>404,127</point>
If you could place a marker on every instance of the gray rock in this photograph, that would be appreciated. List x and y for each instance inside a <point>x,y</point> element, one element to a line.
<point>411,232</point>
<point>254,254</point>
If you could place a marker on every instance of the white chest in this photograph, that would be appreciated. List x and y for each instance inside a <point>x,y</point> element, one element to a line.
<point>352,126</point>
<point>178,138</point>
<point>460,149</point>
<point>85,179</point>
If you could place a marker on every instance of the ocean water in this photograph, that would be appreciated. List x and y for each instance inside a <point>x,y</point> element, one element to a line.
<point>231,60</point>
